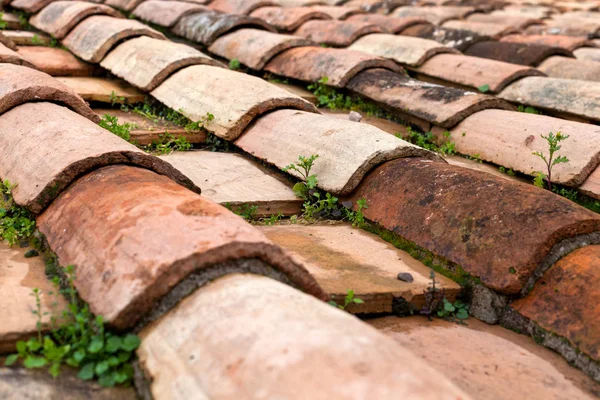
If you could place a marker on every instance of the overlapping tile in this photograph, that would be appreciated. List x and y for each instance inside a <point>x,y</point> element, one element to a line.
<point>509,139</point>
<point>77,146</point>
<point>405,50</point>
<point>587,54</point>
<point>207,27</point>
<point>235,181</point>
<point>347,150</point>
<point>243,7</point>
<point>338,12</point>
<point>30,6</point>
<point>102,90</point>
<point>253,47</point>
<point>59,17</point>
<point>288,19</point>
<point>435,15</point>
<point>7,42</point>
<point>166,13</point>
<point>146,62</point>
<point>55,62</point>
<point>474,72</point>
<point>20,85</point>
<point>310,64</point>
<point>27,38</point>
<point>516,53</point>
<point>454,38</point>
<point>93,38</point>
<point>113,225</point>
<point>566,42</point>
<point>321,353</point>
<point>499,17</point>
<point>436,104</point>
<point>125,5</point>
<point>336,33</point>
<point>340,258</point>
<point>571,68</point>
<point>489,226</point>
<point>569,96</point>
<point>233,98</point>
<point>388,23</point>
<point>492,30</point>
<point>8,56</point>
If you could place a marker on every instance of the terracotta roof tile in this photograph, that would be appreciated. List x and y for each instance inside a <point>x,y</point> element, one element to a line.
<point>310,64</point>
<point>93,38</point>
<point>125,5</point>
<point>566,42</point>
<point>499,17</point>
<point>233,98</point>
<point>119,211</point>
<point>8,56</point>
<point>207,27</point>
<point>59,17</point>
<point>388,23</point>
<point>492,30</point>
<point>340,12</point>
<point>254,48</point>
<point>30,6</point>
<point>146,62</point>
<point>27,38</point>
<point>571,68</point>
<point>347,150</point>
<point>300,3</point>
<point>487,225</point>
<point>516,53</point>
<point>436,15</point>
<point>587,54</point>
<point>336,33</point>
<point>531,11</point>
<point>454,38</point>
<point>288,19</point>
<point>402,49</point>
<point>474,72</point>
<point>102,89</point>
<point>6,41</point>
<point>55,62</point>
<point>436,104</point>
<point>166,13</point>
<point>240,6</point>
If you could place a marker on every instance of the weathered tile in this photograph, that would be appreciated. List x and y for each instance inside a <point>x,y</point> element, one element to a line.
<point>55,62</point>
<point>20,85</point>
<point>114,225</point>
<point>146,62</point>
<point>298,91</point>
<point>572,26</point>
<point>7,42</point>
<point>569,96</point>
<point>310,64</point>
<point>166,13</point>
<point>243,7</point>
<point>481,359</point>
<point>77,146</point>
<point>347,150</point>
<point>253,47</point>
<point>474,72</point>
<point>59,17</point>
<point>531,11</point>
<point>571,68</point>
<point>506,19</point>
<point>269,341</point>
<point>336,33</point>
<point>235,181</point>
<point>553,28</point>
<point>566,42</point>
<point>386,22</point>
<point>21,383</point>
<point>102,90</point>
<point>516,53</point>
<point>30,6</point>
<point>8,56</point>
<point>338,12</point>
<point>406,50</point>
<point>300,3</point>
<point>489,226</point>
<point>565,300</point>
<point>96,35</point>
<point>509,139</point>
<point>233,98</point>
<point>492,30</point>
<point>454,38</point>
<point>20,276</point>
<point>125,5</point>
<point>436,104</point>
<point>591,186</point>
<point>435,15</point>
<point>342,258</point>
<point>207,27</point>
<point>27,38</point>
<point>587,54</point>
<point>288,19</point>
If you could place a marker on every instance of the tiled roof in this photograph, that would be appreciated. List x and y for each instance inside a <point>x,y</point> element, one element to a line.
<point>155,250</point>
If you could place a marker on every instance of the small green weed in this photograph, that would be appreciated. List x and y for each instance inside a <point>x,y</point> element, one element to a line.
<point>168,143</point>
<point>506,171</point>
<point>111,123</point>
<point>16,223</point>
<point>118,100</point>
<point>457,311</point>
<point>81,341</point>
<point>234,64</point>
<point>528,110</point>
<point>246,211</point>
<point>349,299</point>
<point>484,88</point>
<point>3,23</point>
<point>357,218</point>
<point>550,161</point>
<point>437,304</point>
<point>427,141</point>
<point>272,220</point>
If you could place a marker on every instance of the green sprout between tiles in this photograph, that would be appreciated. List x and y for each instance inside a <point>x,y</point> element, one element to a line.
<point>3,23</point>
<point>484,88</point>
<point>436,304</point>
<point>552,158</point>
<point>111,124</point>
<point>428,141</point>
<point>528,110</point>
<point>318,204</point>
<point>349,299</point>
<point>167,143</point>
<point>234,64</point>
<point>77,339</point>
<point>16,223</point>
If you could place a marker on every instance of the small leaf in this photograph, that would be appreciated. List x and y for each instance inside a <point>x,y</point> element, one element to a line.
<point>113,344</point>
<point>21,347</point>
<point>332,303</point>
<point>10,360</point>
<point>79,355</point>
<point>87,372</point>
<point>54,369</point>
<point>462,314</point>
<point>101,368</point>
<point>358,301</point>
<point>484,88</point>
<point>96,345</point>
<point>123,356</point>
<point>107,379</point>
<point>113,361</point>
<point>130,342</point>
<point>449,307</point>
<point>312,181</point>
<point>34,362</point>
<point>300,190</point>
<point>33,345</point>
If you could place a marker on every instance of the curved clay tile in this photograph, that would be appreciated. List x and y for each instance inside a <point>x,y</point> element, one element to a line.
<point>571,68</point>
<point>166,13</point>
<point>454,38</point>
<point>30,6</point>
<point>566,42</point>
<point>388,23</point>
<point>516,53</point>
<point>338,12</point>
<point>336,33</point>
<point>508,20</point>
<point>288,19</point>
<point>490,30</point>
<point>125,5</point>
<point>8,56</point>
<point>122,218</point>
<point>436,15</point>
<point>243,7</point>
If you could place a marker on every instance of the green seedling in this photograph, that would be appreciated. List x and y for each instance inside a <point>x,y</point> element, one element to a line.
<point>552,159</point>
<point>349,299</point>
<point>16,223</point>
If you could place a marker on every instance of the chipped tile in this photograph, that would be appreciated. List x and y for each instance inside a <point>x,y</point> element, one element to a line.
<point>288,19</point>
<point>103,90</point>
<point>516,53</point>
<point>336,33</point>
<point>166,13</point>
<point>55,62</point>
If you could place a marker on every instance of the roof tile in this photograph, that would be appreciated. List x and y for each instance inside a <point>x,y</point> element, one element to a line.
<point>454,38</point>
<point>239,6</point>
<point>6,41</point>
<point>407,50</point>
<point>347,150</point>
<point>27,38</point>
<point>388,23</point>
<point>55,62</point>
<point>566,42</point>
<point>488,225</point>
<point>102,89</point>
<point>288,19</point>
<point>146,62</point>
<point>166,13</point>
<point>96,35</point>
<point>77,147</point>
<point>233,98</point>
<point>506,19</point>
<point>30,6</point>
<point>310,64</point>
<point>125,5</point>
<point>59,17</point>
<point>115,212</point>
<point>436,14</point>
<point>571,68</point>
<point>8,56</point>
<point>336,33</point>
<point>492,30</point>
<point>338,12</point>
<point>253,47</point>
<point>587,54</point>
<point>516,53</point>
